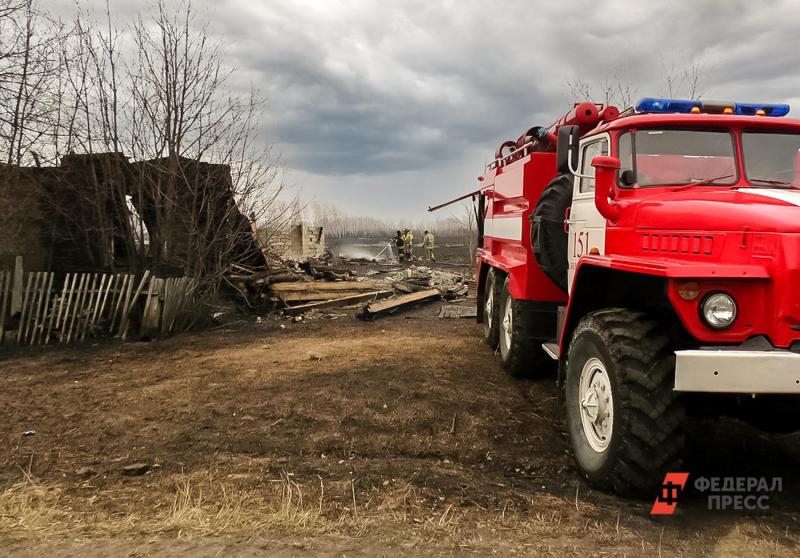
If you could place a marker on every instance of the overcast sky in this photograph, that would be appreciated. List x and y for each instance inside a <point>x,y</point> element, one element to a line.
<point>388,107</point>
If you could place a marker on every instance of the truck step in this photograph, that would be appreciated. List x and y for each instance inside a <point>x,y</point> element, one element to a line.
<point>551,349</point>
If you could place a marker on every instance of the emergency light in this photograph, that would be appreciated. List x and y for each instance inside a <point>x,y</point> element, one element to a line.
<point>651,104</point>
<point>751,109</point>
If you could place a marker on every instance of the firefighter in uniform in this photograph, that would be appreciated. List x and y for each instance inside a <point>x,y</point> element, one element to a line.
<point>408,238</point>
<point>427,242</point>
<point>400,244</point>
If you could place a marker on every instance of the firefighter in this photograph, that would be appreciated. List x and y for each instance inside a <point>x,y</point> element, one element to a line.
<point>408,239</point>
<point>400,244</point>
<point>427,242</point>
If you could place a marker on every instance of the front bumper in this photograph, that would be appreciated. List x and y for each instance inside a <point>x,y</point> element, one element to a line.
<point>724,370</point>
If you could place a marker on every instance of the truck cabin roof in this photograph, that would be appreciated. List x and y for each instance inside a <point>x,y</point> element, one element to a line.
<point>671,120</point>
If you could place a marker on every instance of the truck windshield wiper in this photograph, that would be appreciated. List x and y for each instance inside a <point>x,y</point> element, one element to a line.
<point>779,183</point>
<point>702,182</point>
<point>709,180</point>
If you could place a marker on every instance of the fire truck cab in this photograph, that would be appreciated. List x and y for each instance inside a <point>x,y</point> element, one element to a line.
<point>650,260</point>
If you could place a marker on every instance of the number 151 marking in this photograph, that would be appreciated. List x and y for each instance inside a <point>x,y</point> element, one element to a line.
<point>580,244</point>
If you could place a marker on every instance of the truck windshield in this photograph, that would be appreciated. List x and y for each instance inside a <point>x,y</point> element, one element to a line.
<point>665,157</point>
<point>771,158</point>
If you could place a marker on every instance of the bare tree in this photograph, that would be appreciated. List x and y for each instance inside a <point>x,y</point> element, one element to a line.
<point>182,110</point>
<point>28,42</point>
<point>28,60</point>
<point>614,90</point>
<point>467,225</point>
<point>193,166</point>
<point>684,78</point>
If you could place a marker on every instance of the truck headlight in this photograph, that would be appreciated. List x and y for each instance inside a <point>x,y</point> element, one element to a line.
<point>719,310</point>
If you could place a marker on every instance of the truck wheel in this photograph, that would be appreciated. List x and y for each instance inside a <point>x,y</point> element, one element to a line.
<point>491,310</point>
<point>624,419</point>
<point>520,351</point>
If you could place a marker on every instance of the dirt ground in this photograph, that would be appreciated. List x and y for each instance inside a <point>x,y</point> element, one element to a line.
<point>400,436</point>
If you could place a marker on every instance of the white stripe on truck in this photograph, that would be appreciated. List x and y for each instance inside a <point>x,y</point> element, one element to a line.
<point>507,228</point>
<point>788,196</point>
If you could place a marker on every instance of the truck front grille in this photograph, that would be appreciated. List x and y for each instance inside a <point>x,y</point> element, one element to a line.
<point>677,243</point>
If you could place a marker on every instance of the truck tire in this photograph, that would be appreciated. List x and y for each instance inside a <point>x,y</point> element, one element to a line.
<point>491,310</point>
<point>548,239</point>
<point>624,419</point>
<point>520,350</point>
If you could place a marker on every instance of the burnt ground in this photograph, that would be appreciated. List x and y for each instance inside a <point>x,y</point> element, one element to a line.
<point>401,436</point>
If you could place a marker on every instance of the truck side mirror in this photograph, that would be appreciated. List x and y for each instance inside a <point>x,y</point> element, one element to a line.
<point>605,186</point>
<point>627,178</point>
<point>567,149</point>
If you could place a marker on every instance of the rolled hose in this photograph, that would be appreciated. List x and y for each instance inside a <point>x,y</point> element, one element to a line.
<point>510,144</point>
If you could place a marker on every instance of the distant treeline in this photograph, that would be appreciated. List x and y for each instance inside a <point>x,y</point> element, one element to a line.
<point>339,224</point>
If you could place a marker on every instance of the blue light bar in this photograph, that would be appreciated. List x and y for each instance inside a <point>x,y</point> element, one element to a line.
<point>651,104</point>
<point>654,105</point>
<point>751,109</point>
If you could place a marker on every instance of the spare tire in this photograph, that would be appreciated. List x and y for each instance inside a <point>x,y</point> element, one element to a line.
<point>548,237</point>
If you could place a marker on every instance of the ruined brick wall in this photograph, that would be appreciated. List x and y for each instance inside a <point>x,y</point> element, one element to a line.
<point>313,242</point>
<point>62,218</point>
<point>283,243</point>
<point>298,242</point>
<point>24,223</point>
<point>91,213</point>
<point>75,217</point>
<point>192,217</point>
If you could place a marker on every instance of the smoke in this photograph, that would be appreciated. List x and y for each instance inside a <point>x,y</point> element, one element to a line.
<point>366,251</point>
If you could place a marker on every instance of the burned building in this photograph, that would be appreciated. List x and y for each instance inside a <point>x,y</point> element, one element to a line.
<point>104,212</point>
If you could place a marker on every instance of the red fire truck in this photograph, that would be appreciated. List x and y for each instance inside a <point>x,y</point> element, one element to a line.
<point>651,260</point>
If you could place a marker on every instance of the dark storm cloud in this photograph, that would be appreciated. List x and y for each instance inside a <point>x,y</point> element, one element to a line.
<point>408,94</point>
<point>364,87</point>
<point>380,90</point>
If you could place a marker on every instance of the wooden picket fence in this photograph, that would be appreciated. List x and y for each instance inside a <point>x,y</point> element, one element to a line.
<point>38,308</point>
<point>6,285</point>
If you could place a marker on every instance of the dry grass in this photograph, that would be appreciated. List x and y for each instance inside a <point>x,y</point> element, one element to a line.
<point>190,515</point>
<point>356,449</point>
<point>203,506</point>
<point>199,507</point>
<point>28,508</point>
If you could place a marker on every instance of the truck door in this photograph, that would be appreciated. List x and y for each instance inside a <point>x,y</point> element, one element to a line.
<point>587,228</point>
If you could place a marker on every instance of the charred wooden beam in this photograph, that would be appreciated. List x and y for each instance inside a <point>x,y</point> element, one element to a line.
<point>378,308</point>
